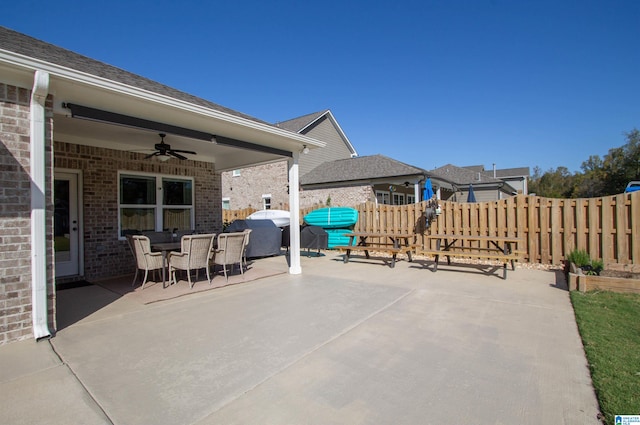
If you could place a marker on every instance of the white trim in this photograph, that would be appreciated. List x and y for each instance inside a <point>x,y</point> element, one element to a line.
<point>40,313</point>
<point>335,122</point>
<point>159,206</point>
<point>80,210</point>
<point>294,215</point>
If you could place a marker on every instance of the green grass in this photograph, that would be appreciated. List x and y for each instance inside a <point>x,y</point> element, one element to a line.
<point>609,324</point>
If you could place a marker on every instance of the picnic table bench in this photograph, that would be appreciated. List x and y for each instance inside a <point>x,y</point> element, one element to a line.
<point>392,243</point>
<point>496,247</point>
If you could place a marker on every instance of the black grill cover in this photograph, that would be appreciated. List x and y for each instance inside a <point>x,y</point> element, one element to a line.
<point>265,238</point>
<point>311,237</point>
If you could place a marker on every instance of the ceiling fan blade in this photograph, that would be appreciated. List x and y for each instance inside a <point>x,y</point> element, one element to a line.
<point>182,151</point>
<point>151,155</point>
<point>177,155</point>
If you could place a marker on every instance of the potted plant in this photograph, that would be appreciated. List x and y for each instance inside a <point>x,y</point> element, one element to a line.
<point>581,263</point>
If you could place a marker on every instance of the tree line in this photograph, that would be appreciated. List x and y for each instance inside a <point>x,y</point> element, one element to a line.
<point>599,176</point>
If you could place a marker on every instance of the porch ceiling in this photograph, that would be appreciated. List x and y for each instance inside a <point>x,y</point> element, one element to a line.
<point>141,141</point>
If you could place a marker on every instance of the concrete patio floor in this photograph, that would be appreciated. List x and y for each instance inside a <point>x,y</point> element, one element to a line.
<point>356,343</point>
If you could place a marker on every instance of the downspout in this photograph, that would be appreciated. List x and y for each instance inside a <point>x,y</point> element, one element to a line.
<point>294,215</point>
<point>37,162</point>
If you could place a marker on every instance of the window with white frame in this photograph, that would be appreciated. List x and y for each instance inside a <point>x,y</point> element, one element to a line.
<point>148,202</point>
<point>411,199</point>
<point>235,173</point>
<point>383,197</point>
<point>226,203</point>
<point>266,202</point>
<point>398,199</point>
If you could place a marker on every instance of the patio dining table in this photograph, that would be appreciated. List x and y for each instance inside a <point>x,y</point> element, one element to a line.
<point>165,247</point>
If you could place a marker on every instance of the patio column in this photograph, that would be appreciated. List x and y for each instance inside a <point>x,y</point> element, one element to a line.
<point>294,212</point>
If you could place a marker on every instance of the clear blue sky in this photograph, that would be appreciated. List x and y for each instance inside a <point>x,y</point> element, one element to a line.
<point>477,82</point>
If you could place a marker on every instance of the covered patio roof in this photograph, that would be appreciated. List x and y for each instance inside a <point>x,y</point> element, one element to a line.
<point>78,80</point>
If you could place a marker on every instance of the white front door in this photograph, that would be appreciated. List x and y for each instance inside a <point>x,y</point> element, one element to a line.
<point>66,229</point>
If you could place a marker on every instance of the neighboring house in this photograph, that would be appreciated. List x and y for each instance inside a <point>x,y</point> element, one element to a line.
<point>516,177</point>
<point>76,175</point>
<point>453,183</point>
<point>349,182</point>
<point>267,186</point>
<point>377,178</point>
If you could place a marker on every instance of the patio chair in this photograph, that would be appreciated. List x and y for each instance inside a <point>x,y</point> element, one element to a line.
<point>145,259</point>
<point>194,255</point>
<point>246,244</point>
<point>230,251</point>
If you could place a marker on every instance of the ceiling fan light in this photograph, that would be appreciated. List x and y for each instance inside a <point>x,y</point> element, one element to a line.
<point>164,157</point>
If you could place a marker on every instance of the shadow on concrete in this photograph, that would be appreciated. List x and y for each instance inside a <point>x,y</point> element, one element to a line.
<point>73,305</point>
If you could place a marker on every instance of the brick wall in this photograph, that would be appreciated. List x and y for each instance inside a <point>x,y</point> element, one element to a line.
<point>348,196</point>
<point>104,254</point>
<point>15,215</point>
<point>246,190</point>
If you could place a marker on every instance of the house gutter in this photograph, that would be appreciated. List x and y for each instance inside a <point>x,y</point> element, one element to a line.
<point>38,206</point>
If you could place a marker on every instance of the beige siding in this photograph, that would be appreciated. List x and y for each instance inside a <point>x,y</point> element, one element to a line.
<point>336,147</point>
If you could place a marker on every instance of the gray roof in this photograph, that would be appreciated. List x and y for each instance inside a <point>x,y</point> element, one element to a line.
<point>462,176</point>
<point>297,124</point>
<point>475,168</point>
<point>360,168</point>
<point>510,172</point>
<point>500,173</point>
<point>28,46</point>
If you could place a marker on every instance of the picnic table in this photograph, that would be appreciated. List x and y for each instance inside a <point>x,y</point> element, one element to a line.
<point>490,247</point>
<point>392,243</point>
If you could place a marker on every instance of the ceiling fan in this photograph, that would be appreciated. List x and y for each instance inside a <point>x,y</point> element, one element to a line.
<point>164,151</point>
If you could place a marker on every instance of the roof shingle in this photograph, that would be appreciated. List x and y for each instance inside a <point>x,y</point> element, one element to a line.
<point>359,168</point>
<point>16,42</point>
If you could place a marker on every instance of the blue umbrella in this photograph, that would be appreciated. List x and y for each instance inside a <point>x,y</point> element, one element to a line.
<point>471,197</point>
<point>428,191</point>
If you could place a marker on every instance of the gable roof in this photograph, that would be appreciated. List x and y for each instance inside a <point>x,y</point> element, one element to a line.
<point>305,123</point>
<point>518,172</point>
<point>300,123</point>
<point>16,42</point>
<point>462,176</point>
<point>511,172</point>
<point>360,168</point>
<point>124,111</point>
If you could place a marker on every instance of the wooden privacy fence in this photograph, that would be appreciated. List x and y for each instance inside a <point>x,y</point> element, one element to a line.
<point>607,228</point>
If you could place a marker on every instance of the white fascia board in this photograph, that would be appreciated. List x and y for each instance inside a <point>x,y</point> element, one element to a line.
<point>342,133</point>
<point>344,136</point>
<point>124,89</point>
<point>313,121</point>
